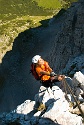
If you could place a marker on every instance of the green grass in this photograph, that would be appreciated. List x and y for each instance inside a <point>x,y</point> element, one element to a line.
<point>10,29</point>
<point>49,4</point>
<point>54,4</point>
<point>16,16</point>
<point>14,8</point>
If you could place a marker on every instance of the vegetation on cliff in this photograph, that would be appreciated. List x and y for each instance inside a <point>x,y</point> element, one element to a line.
<point>18,15</point>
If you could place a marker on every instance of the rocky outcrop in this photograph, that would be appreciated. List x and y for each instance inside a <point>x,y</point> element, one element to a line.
<point>78,80</point>
<point>74,65</point>
<point>68,43</point>
<point>49,108</point>
<point>60,43</point>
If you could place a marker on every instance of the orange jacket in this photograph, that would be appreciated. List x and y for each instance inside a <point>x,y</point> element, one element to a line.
<point>44,67</point>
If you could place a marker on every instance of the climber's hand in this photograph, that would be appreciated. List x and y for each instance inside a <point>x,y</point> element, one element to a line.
<point>61,77</point>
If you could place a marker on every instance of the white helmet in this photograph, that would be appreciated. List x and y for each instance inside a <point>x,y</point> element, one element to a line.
<point>35,59</point>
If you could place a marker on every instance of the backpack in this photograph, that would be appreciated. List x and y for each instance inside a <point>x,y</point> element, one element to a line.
<point>34,73</point>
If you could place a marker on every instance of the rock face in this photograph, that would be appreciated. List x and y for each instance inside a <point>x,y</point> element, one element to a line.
<point>60,43</point>
<point>49,108</point>
<point>68,43</point>
<point>78,80</point>
<point>74,65</point>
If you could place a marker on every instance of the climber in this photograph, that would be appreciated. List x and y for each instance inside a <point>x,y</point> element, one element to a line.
<point>44,72</point>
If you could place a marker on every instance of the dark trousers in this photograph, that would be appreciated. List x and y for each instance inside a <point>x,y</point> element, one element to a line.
<point>49,83</point>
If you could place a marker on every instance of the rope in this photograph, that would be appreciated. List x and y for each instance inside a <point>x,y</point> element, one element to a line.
<point>65,89</point>
<point>70,90</point>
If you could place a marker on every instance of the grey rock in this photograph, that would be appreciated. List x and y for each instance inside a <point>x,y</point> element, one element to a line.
<point>26,107</point>
<point>78,80</point>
